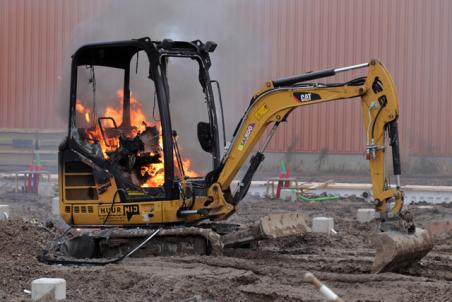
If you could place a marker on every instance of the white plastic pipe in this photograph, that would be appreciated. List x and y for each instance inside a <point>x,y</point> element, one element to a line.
<point>323,289</point>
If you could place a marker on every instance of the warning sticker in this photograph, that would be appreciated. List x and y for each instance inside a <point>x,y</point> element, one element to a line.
<point>245,137</point>
<point>261,112</point>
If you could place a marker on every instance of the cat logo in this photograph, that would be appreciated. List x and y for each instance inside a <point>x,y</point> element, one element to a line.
<point>130,210</point>
<point>306,96</point>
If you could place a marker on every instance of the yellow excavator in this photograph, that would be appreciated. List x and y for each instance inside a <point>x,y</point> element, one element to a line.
<point>123,183</point>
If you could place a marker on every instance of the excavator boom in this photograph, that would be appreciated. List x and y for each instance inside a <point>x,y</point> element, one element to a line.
<point>277,99</point>
<point>380,111</point>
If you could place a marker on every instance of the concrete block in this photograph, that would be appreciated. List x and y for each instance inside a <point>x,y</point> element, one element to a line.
<point>56,206</point>
<point>288,194</point>
<point>4,211</point>
<point>365,215</point>
<point>48,289</point>
<point>45,189</point>
<point>323,225</point>
<point>425,207</point>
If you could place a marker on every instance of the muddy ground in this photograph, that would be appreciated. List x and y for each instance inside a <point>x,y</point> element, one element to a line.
<point>271,272</point>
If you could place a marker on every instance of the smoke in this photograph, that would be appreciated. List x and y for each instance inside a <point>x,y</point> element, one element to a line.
<point>214,20</point>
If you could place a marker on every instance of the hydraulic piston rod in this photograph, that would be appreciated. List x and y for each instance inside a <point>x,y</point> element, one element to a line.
<point>316,75</point>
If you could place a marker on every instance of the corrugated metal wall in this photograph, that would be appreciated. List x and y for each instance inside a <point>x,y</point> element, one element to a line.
<point>34,36</point>
<point>412,37</point>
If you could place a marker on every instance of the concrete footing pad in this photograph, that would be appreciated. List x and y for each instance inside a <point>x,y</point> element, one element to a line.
<point>323,225</point>
<point>56,206</point>
<point>365,215</point>
<point>48,289</point>
<point>4,212</point>
<point>288,194</point>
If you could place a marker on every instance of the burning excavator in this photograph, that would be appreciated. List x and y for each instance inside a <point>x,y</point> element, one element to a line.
<point>123,181</point>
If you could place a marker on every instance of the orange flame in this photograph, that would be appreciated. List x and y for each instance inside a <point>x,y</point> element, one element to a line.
<point>188,171</point>
<point>83,110</point>
<point>154,172</point>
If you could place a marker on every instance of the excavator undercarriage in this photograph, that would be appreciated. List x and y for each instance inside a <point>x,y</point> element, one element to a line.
<point>127,189</point>
<point>103,246</point>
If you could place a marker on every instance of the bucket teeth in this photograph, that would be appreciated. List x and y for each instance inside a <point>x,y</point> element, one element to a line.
<point>396,250</point>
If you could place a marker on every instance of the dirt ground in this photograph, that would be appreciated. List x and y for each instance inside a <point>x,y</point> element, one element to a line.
<point>271,272</point>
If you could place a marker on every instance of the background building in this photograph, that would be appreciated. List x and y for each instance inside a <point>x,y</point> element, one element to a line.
<point>270,39</point>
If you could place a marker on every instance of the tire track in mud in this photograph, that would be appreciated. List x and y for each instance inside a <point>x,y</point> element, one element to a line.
<point>290,283</point>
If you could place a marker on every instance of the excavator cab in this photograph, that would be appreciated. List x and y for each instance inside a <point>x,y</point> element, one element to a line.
<point>120,143</point>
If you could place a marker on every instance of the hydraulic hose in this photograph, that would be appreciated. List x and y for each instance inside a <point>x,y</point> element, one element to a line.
<point>319,198</point>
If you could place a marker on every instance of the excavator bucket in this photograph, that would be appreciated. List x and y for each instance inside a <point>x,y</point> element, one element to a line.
<point>396,250</point>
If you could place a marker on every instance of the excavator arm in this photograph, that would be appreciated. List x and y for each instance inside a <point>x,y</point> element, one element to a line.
<point>399,243</point>
<point>277,99</point>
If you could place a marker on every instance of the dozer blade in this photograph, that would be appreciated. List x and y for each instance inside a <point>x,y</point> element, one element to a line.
<point>282,225</point>
<point>271,226</point>
<point>396,250</point>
